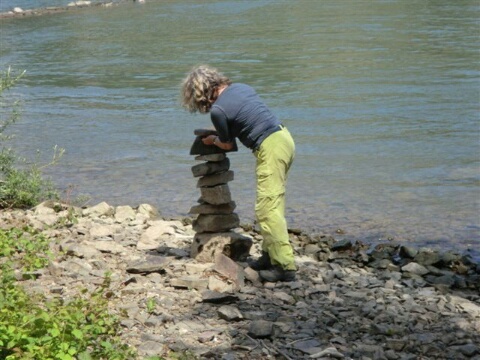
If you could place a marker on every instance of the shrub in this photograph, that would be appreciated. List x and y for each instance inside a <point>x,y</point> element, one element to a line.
<point>34,327</point>
<point>21,185</point>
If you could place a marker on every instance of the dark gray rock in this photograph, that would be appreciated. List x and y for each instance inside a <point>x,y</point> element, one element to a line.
<point>408,252</point>
<point>341,245</point>
<point>215,297</point>
<point>210,167</point>
<point>212,157</point>
<point>216,195</point>
<point>215,223</point>
<point>216,179</point>
<point>260,329</point>
<point>207,209</point>
<point>427,257</point>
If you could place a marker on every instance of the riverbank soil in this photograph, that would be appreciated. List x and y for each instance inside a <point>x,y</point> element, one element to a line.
<point>348,302</point>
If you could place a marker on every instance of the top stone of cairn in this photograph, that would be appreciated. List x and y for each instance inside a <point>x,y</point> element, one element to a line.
<point>199,148</point>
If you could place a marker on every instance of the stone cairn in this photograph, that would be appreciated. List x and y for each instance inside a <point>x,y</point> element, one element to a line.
<point>216,217</point>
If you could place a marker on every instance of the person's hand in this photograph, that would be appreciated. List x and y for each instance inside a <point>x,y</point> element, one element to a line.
<point>209,140</point>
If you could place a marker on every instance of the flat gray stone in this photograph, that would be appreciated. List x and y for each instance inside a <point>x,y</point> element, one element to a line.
<point>149,265</point>
<point>210,167</point>
<point>216,179</point>
<point>215,223</point>
<point>229,313</point>
<point>190,282</point>
<point>260,329</point>
<point>216,195</point>
<point>208,209</point>
<point>216,297</point>
<point>211,157</point>
<point>415,268</point>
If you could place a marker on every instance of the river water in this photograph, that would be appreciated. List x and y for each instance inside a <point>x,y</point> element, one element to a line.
<point>382,98</point>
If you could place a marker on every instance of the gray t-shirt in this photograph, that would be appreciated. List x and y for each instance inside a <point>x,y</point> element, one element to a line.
<point>239,112</point>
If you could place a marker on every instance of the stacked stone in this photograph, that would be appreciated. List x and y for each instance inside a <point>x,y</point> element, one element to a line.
<point>216,217</point>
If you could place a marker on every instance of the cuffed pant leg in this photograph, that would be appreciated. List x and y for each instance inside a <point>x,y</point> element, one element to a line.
<point>274,159</point>
<point>273,227</point>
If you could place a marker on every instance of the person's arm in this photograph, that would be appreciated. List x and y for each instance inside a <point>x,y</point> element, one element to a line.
<point>215,140</point>
<point>220,123</point>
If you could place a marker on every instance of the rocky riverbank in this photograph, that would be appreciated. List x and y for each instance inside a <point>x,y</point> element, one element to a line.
<point>349,301</point>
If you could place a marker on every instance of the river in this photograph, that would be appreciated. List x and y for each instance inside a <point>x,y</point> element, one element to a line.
<point>381,96</point>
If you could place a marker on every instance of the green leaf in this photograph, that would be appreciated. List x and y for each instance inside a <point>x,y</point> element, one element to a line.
<point>84,356</point>
<point>63,356</point>
<point>77,333</point>
<point>54,332</point>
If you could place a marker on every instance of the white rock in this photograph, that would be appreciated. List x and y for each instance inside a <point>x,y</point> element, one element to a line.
<point>157,231</point>
<point>147,210</point>
<point>46,218</point>
<point>17,10</point>
<point>98,231</point>
<point>124,213</point>
<point>98,210</point>
<point>43,209</point>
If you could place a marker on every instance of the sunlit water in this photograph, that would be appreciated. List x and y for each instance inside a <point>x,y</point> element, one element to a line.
<point>382,98</point>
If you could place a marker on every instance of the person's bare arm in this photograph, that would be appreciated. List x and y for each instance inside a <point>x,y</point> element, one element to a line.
<point>215,140</point>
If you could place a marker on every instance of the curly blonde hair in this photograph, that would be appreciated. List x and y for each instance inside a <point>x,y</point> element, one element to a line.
<point>199,88</point>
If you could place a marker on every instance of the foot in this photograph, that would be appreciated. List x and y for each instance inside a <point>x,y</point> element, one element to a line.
<point>262,263</point>
<point>277,274</point>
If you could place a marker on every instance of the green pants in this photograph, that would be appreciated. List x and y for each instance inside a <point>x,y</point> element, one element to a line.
<point>274,158</point>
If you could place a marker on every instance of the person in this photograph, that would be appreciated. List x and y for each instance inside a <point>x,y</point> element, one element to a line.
<point>237,111</point>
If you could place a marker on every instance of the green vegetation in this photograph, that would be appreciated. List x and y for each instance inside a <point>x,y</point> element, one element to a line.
<point>30,250</point>
<point>21,184</point>
<point>35,327</point>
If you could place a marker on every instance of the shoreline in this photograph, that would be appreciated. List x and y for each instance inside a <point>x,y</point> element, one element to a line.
<point>17,12</point>
<point>349,301</point>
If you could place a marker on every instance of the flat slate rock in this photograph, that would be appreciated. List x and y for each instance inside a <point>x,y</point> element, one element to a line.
<point>215,223</point>
<point>215,297</point>
<point>199,148</point>
<point>210,167</point>
<point>215,179</point>
<point>149,265</point>
<point>213,209</point>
